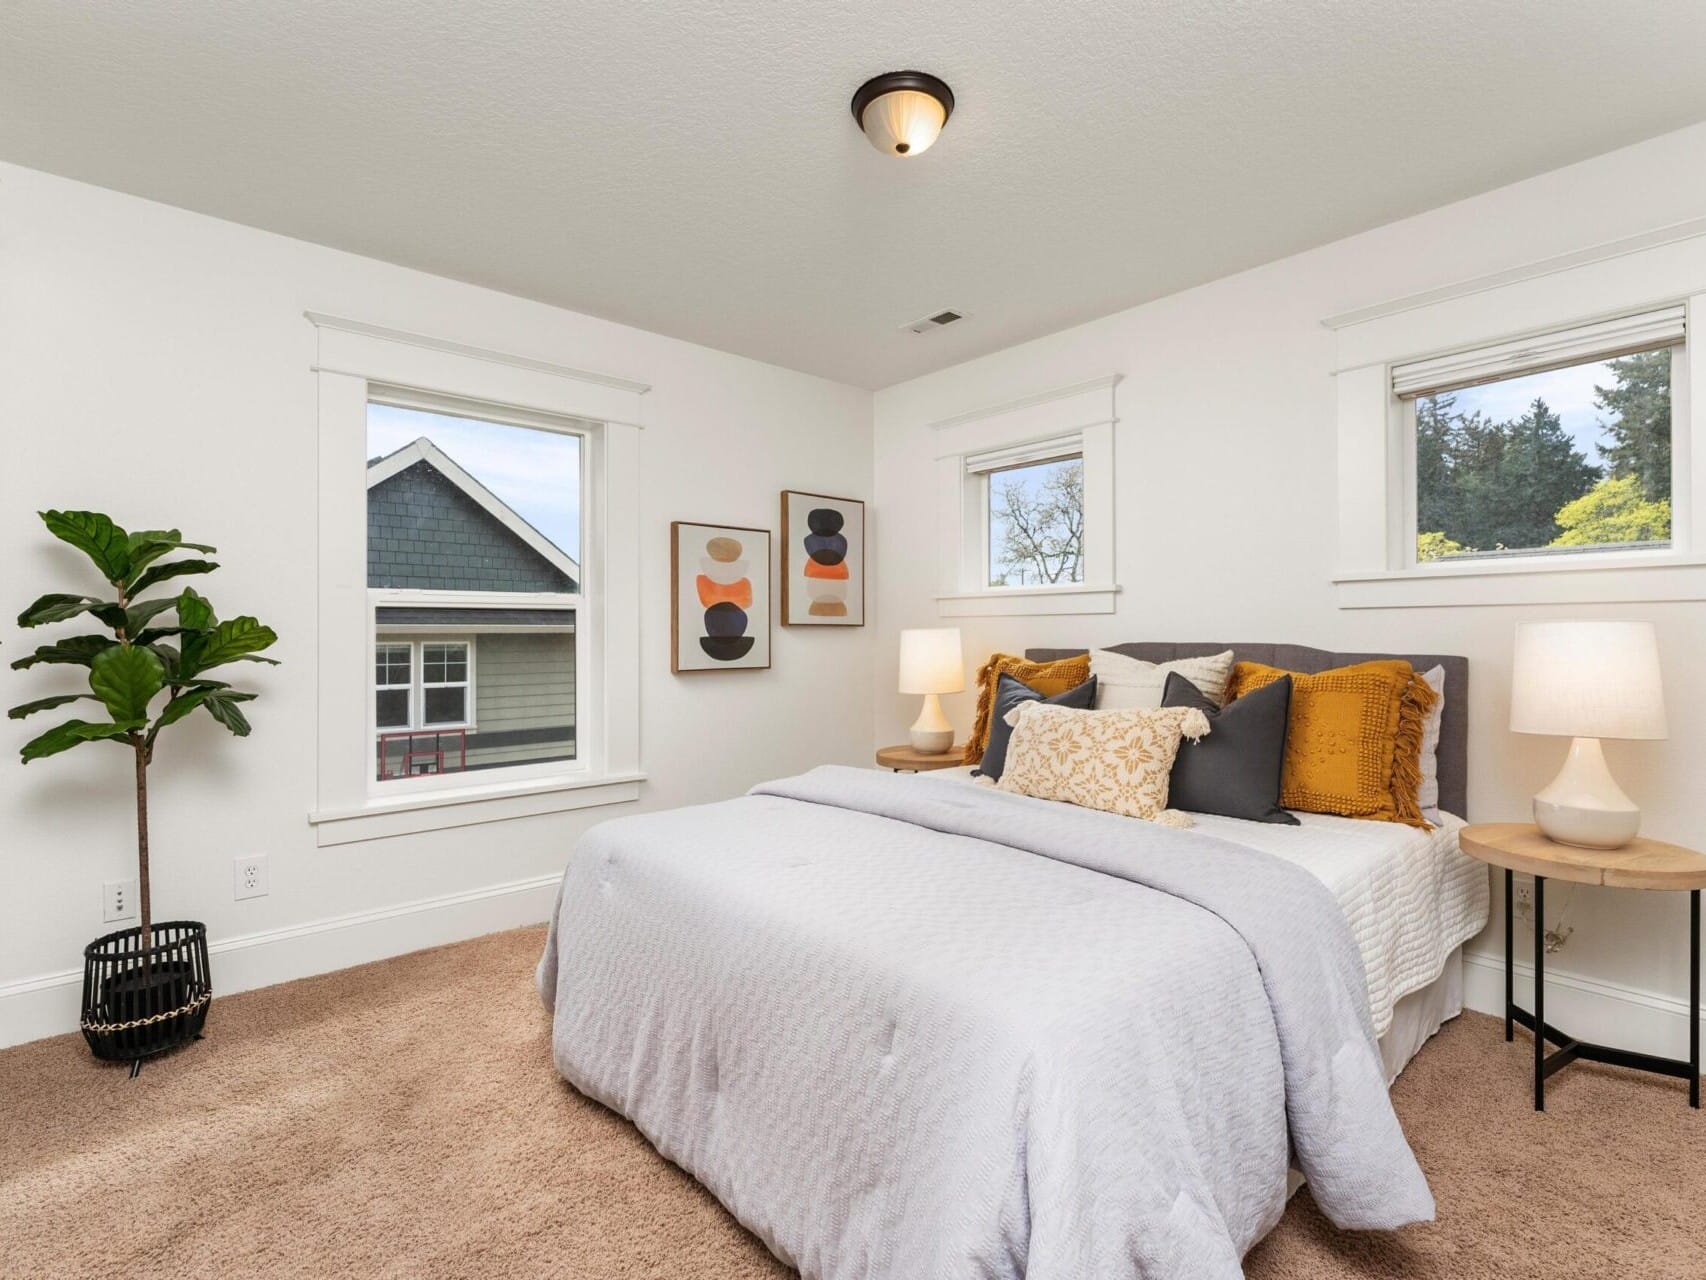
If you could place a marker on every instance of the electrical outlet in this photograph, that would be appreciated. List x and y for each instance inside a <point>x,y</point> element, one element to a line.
<point>250,876</point>
<point>1524,896</point>
<point>118,900</point>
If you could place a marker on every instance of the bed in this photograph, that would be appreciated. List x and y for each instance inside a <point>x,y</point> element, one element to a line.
<point>911,1026</point>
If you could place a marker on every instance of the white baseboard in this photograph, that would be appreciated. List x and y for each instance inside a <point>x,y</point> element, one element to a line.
<point>1599,1012</point>
<point>48,1005</point>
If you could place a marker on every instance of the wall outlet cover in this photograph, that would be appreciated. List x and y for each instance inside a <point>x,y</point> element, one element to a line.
<point>118,900</point>
<point>250,878</point>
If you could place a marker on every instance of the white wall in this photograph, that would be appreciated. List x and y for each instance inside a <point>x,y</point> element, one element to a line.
<point>1226,527</point>
<point>155,364</point>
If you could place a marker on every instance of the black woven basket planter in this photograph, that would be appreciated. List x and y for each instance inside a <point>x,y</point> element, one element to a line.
<point>136,1002</point>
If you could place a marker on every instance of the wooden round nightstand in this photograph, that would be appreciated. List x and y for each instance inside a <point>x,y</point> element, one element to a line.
<point>906,759</point>
<point>1640,864</point>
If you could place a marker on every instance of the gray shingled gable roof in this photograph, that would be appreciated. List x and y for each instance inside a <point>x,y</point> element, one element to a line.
<point>431,526</point>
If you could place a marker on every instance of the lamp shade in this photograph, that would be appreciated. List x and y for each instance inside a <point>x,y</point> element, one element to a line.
<point>1587,680</point>
<point>930,661</point>
<point>902,112</point>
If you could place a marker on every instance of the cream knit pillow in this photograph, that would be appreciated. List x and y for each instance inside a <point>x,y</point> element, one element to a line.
<point>1117,761</point>
<point>1123,682</point>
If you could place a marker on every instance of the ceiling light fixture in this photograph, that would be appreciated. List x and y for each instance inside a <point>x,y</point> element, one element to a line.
<point>903,112</point>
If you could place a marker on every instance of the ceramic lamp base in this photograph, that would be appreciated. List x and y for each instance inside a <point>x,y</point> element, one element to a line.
<point>931,733</point>
<point>1583,805</point>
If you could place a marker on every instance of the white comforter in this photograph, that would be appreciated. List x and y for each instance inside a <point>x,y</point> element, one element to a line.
<point>905,1029</point>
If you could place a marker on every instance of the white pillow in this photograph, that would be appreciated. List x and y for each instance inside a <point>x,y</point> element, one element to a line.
<point>1117,761</point>
<point>1427,795</point>
<point>1123,682</point>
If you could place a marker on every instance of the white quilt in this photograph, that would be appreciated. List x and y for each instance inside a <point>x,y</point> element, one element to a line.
<point>907,1029</point>
<point>1411,897</point>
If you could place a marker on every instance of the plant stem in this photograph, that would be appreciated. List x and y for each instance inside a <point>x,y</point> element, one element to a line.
<point>142,838</point>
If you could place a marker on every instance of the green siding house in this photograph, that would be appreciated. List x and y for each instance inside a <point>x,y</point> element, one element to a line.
<point>474,649</point>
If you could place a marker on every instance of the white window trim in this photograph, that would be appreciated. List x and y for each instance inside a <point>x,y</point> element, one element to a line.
<point>409,688</point>
<point>1377,567</point>
<point>358,362</point>
<point>418,685</point>
<point>1072,420</point>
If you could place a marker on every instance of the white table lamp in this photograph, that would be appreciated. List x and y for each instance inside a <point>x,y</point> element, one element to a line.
<point>1586,681</point>
<point>931,663</point>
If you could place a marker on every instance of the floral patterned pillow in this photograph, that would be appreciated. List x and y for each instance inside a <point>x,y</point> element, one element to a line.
<point>1117,761</point>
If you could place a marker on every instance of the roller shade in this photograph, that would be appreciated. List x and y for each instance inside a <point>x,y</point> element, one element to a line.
<point>1021,455</point>
<point>1662,327</point>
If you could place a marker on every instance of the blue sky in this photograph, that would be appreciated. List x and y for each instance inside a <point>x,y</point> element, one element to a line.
<point>536,472</point>
<point>1569,392</point>
<point>1031,479</point>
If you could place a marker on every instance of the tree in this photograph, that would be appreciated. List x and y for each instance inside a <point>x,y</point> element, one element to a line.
<point>1613,511</point>
<point>1042,526</point>
<point>1436,546</point>
<point>1437,499</point>
<point>143,659</point>
<point>1639,428</point>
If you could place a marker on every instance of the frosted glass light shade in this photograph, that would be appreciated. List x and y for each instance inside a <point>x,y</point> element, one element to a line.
<point>902,112</point>
<point>904,123</point>
<point>1587,680</point>
<point>930,661</point>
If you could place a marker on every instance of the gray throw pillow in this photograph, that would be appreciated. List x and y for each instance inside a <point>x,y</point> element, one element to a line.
<point>1235,770</point>
<point>1011,692</point>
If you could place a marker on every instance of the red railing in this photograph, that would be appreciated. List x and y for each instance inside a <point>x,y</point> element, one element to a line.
<point>424,752</point>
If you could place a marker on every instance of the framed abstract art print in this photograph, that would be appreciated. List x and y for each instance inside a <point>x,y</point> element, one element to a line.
<point>823,560</point>
<point>719,618</point>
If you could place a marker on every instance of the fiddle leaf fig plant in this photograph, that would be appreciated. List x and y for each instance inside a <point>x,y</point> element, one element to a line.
<point>152,671</point>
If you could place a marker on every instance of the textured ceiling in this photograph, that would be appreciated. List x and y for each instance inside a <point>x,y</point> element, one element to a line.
<point>692,168</point>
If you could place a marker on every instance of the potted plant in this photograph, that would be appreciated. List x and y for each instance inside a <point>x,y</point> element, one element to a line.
<point>145,989</point>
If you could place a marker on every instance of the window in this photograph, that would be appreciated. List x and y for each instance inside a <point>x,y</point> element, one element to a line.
<point>1036,522</point>
<point>1569,459</point>
<point>394,685</point>
<point>474,585</point>
<point>1026,505</point>
<point>444,684</point>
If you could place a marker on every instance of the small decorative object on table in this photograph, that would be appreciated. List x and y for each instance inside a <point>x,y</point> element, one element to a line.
<point>719,603</point>
<point>1642,864</point>
<point>931,663</point>
<point>1586,681</point>
<point>146,989</point>
<point>908,759</point>
<point>823,561</point>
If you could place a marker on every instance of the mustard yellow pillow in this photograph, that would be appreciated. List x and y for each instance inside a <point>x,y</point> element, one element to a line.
<point>1353,742</point>
<point>1047,678</point>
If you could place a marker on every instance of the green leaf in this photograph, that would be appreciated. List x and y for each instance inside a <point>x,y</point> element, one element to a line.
<point>222,706</point>
<point>194,612</point>
<point>227,642</point>
<point>65,736</point>
<point>179,707</point>
<point>56,607</point>
<point>136,617</point>
<point>75,650</point>
<point>148,545</point>
<point>171,569</point>
<point>43,704</point>
<point>125,678</point>
<point>96,536</point>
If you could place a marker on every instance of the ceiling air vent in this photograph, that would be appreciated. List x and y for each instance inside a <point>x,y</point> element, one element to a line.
<point>930,323</point>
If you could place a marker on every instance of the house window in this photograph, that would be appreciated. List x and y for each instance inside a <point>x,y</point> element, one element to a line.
<point>1035,522</point>
<point>393,685</point>
<point>1568,459</point>
<point>444,684</point>
<point>474,589</point>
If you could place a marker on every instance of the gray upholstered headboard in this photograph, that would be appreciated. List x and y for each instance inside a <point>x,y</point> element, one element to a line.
<point>1453,725</point>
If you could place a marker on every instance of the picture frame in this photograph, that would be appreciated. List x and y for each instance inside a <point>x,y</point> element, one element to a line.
<point>823,560</point>
<point>719,604</point>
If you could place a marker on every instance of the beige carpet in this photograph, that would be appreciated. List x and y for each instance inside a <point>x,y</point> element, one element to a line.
<point>403,1119</point>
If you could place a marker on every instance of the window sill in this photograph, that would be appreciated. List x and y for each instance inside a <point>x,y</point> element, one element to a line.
<point>1003,602</point>
<point>1600,579</point>
<point>467,806</point>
